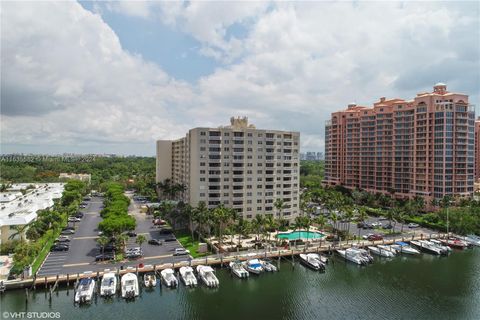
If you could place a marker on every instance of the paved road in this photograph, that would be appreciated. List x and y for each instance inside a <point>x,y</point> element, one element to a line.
<point>84,248</point>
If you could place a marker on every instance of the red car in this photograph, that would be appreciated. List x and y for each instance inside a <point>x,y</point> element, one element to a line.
<point>375,237</point>
<point>159,222</point>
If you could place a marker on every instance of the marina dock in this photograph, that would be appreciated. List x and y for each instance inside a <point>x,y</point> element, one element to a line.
<point>218,259</point>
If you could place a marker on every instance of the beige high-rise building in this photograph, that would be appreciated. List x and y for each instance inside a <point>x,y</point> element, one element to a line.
<point>238,166</point>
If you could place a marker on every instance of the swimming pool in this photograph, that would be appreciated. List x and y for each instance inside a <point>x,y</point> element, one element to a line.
<point>301,235</point>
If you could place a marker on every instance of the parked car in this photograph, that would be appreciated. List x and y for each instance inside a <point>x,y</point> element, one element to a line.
<point>105,256</point>
<point>79,215</point>
<point>159,222</point>
<point>67,231</point>
<point>87,199</point>
<point>377,224</point>
<point>69,228</point>
<point>367,226</point>
<point>388,226</point>
<point>74,219</point>
<point>131,234</point>
<point>374,237</point>
<point>59,247</point>
<point>170,239</point>
<point>155,242</point>
<point>165,231</point>
<point>63,239</point>
<point>367,235</point>
<point>180,252</point>
<point>109,247</point>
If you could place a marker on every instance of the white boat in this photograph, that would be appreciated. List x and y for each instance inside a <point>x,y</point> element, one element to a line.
<point>129,286</point>
<point>254,266</point>
<point>207,275</point>
<point>381,252</point>
<point>238,269</point>
<point>427,247</point>
<point>168,277</point>
<point>268,266</point>
<point>444,250</point>
<point>150,280</point>
<point>352,257</point>
<point>108,286</point>
<point>472,239</point>
<point>85,290</point>
<point>186,273</point>
<point>362,253</point>
<point>405,248</point>
<point>312,260</point>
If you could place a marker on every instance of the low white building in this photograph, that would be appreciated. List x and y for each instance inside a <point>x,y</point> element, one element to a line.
<point>22,209</point>
<point>85,177</point>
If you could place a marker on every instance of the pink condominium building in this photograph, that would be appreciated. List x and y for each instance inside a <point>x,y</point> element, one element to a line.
<point>421,147</point>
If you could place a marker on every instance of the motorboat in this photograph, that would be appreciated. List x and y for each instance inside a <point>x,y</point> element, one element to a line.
<point>108,286</point>
<point>444,249</point>
<point>254,266</point>
<point>208,276</point>
<point>352,257</point>
<point>381,252</point>
<point>455,243</point>
<point>150,280</point>
<point>268,265</point>
<point>168,277</point>
<point>363,253</point>
<point>85,290</point>
<point>405,248</point>
<point>387,248</point>
<point>237,269</point>
<point>472,239</point>
<point>129,286</point>
<point>427,247</point>
<point>186,273</point>
<point>312,260</point>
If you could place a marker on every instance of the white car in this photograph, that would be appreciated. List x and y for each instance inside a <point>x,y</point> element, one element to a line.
<point>413,225</point>
<point>367,235</point>
<point>377,224</point>
<point>181,252</point>
<point>74,219</point>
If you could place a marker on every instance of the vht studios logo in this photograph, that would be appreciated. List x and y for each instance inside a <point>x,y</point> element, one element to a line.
<point>31,315</point>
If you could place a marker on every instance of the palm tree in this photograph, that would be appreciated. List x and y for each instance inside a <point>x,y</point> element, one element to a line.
<point>270,224</point>
<point>362,216</point>
<point>242,228</point>
<point>19,231</point>
<point>334,218</point>
<point>222,217</point>
<point>321,221</point>
<point>279,204</point>
<point>199,215</point>
<point>140,240</point>
<point>122,240</point>
<point>258,224</point>
<point>103,241</point>
<point>190,214</point>
<point>348,217</point>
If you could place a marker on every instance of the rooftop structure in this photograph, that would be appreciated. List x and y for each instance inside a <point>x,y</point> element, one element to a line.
<point>85,177</point>
<point>23,208</point>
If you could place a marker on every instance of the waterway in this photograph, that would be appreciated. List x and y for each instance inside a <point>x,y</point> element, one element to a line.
<point>424,287</point>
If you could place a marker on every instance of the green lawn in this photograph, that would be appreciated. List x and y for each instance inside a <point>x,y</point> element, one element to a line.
<point>185,239</point>
<point>41,256</point>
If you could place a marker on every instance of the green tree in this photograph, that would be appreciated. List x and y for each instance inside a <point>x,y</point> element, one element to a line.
<point>140,239</point>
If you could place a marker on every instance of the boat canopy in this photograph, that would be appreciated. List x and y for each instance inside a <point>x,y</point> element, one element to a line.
<point>401,243</point>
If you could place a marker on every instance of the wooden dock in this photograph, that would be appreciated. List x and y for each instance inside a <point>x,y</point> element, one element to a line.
<point>218,259</point>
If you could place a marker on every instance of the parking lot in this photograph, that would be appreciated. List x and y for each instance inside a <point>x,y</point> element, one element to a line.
<point>354,230</point>
<point>83,245</point>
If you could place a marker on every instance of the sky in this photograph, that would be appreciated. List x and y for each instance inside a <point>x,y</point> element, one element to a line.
<point>113,77</point>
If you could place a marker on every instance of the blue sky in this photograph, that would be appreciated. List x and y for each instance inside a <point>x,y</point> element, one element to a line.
<point>116,76</point>
<point>174,51</point>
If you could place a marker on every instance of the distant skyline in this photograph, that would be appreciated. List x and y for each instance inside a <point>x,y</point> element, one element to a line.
<point>113,77</point>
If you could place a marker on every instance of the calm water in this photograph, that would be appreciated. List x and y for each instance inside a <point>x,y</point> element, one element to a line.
<point>425,287</point>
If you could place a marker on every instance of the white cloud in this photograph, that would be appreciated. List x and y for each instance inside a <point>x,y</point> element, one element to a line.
<point>67,78</point>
